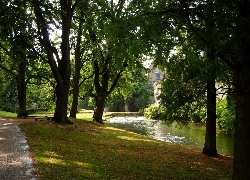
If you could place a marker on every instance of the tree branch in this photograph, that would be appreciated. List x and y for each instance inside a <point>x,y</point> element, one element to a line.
<point>117,78</point>
<point>5,68</point>
<point>119,7</point>
<point>42,77</point>
<point>96,78</point>
<point>219,53</point>
<point>45,41</point>
<point>39,54</point>
<point>86,78</point>
<point>6,50</point>
<point>8,71</point>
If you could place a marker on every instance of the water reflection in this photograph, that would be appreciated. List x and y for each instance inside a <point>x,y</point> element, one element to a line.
<point>190,135</point>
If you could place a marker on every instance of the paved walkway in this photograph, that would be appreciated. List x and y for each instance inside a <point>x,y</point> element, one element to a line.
<point>15,159</point>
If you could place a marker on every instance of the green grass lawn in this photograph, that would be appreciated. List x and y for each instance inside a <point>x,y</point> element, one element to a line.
<point>87,150</point>
<point>85,116</point>
<point>7,114</point>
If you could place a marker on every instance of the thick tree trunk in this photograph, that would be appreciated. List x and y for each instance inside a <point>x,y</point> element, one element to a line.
<point>241,162</point>
<point>61,66</point>
<point>21,87</point>
<point>63,83</point>
<point>98,112</point>
<point>60,114</point>
<point>210,137</point>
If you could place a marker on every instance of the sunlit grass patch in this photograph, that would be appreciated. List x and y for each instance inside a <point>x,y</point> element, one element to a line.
<point>85,116</point>
<point>87,150</point>
<point>7,114</point>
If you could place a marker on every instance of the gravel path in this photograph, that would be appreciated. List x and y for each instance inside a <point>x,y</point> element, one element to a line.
<point>15,159</point>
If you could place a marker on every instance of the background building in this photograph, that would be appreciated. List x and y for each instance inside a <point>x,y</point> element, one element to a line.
<point>155,77</point>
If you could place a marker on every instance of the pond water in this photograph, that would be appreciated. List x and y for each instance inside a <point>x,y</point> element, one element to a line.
<point>191,135</point>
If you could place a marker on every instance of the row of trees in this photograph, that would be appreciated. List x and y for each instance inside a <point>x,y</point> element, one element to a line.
<point>198,42</point>
<point>83,44</point>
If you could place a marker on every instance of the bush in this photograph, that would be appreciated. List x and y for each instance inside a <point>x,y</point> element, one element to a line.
<point>226,116</point>
<point>153,112</point>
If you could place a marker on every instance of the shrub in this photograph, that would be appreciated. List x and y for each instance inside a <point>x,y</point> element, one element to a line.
<point>226,116</point>
<point>153,112</point>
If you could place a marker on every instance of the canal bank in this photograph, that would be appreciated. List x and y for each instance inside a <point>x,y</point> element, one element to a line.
<point>192,135</point>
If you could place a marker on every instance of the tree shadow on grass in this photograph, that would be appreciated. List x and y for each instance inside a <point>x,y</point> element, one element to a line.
<point>87,150</point>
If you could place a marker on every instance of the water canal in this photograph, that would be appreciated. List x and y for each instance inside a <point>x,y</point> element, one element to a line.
<point>191,135</point>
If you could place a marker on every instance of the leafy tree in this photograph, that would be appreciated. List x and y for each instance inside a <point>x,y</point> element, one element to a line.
<point>132,89</point>
<point>184,88</point>
<point>82,56</point>
<point>231,47</point>
<point>115,46</point>
<point>8,94</point>
<point>183,82</point>
<point>77,66</point>
<point>61,13</point>
<point>12,43</point>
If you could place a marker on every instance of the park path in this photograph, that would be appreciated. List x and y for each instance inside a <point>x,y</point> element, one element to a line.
<point>15,159</point>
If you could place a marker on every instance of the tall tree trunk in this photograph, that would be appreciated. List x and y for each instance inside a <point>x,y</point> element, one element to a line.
<point>76,79</point>
<point>21,86</point>
<point>74,105</point>
<point>241,162</point>
<point>98,112</point>
<point>59,67</point>
<point>63,85</point>
<point>210,136</point>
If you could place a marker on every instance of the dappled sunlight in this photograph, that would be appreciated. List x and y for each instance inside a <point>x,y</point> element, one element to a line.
<point>82,164</point>
<point>210,169</point>
<point>197,163</point>
<point>135,139</point>
<point>53,160</point>
<point>117,130</point>
<point>6,124</point>
<point>112,128</point>
<point>51,153</point>
<point>87,150</point>
<point>86,116</point>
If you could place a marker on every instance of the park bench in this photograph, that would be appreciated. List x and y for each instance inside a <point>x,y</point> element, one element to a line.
<point>43,118</point>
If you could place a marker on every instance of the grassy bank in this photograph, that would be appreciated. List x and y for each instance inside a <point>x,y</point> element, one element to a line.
<point>86,150</point>
<point>7,114</point>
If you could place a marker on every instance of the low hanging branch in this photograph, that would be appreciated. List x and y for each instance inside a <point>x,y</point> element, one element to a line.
<point>5,68</point>
<point>42,77</point>
<point>86,78</point>
<point>118,76</point>
<point>219,52</point>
